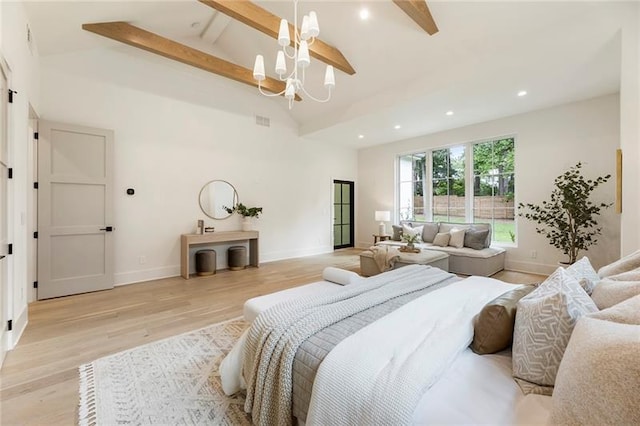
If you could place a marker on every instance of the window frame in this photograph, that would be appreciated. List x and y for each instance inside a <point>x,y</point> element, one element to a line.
<point>469,174</point>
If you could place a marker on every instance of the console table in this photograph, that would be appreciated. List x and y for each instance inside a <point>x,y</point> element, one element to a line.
<point>188,240</point>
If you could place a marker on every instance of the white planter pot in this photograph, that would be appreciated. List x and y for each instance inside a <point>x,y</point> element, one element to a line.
<point>247,224</point>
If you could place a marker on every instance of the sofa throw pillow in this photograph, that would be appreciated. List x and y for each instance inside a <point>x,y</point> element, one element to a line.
<point>597,383</point>
<point>397,232</point>
<point>584,273</point>
<point>442,239</point>
<point>493,329</point>
<point>610,292</point>
<point>627,263</point>
<point>544,321</point>
<point>475,238</point>
<point>409,231</point>
<point>429,232</point>
<point>456,238</point>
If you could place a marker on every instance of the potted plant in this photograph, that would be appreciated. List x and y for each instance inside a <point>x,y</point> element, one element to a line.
<point>568,219</point>
<point>410,240</point>
<point>247,213</point>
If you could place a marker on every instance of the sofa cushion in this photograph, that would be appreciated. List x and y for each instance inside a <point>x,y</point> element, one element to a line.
<point>452,251</point>
<point>610,292</point>
<point>397,232</point>
<point>429,231</point>
<point>408,231</point>
<point>442,239</point>
<point>476,238</point>
<point>456,238</point>
<point>448,226</point>
<point>627,263</point>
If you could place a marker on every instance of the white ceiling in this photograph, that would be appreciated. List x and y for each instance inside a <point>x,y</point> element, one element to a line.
<point>483,55</point>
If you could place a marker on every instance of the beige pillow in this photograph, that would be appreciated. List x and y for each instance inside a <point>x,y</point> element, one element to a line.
<point>598,382</point>
<point>493,329</point>
<point>627,312</point>
<point>610,292</point>
<point>441,239</point>
<point>627,263</point>
<point>456,238</point>
<point>544,321</point>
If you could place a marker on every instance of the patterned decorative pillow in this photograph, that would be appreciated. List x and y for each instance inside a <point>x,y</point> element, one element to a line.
<point>407,230</point>
<point>456,238</point>
<point>544,321</point>
<point>584,273</point>
<point>442,239</point>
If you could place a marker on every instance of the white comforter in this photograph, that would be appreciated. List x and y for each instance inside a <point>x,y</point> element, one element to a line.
<point>379,374</point>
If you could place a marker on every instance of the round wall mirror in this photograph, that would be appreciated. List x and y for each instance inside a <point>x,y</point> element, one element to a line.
<point>217,195</point>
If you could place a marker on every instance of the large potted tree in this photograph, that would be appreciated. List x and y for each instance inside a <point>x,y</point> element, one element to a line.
<point>568,219</point>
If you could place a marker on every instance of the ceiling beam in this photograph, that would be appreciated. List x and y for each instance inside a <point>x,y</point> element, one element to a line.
<point>268,23</point>
<point>419,12</point>
<point>142,39</point>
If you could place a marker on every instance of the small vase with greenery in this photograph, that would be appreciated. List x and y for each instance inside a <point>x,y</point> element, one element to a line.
<point>410,240</point>
<point>568,219</point>
<point>247,213</point>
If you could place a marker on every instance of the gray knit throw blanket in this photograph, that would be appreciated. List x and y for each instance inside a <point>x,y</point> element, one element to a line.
<point>277,333</point>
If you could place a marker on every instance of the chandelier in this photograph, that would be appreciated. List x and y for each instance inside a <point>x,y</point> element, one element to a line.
<point>299,53</point>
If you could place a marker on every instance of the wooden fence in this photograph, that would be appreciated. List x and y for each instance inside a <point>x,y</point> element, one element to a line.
<point>485,207</point>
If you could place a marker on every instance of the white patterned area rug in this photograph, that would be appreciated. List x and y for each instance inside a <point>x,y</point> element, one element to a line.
<point>170,382</point>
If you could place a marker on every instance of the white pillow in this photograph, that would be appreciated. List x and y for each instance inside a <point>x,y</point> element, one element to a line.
<point>407,230</point>
<point>584,273</point>
<point>457,237</point>
<point>627,263</point>
<point>340,276</point>
<point>544,321</point>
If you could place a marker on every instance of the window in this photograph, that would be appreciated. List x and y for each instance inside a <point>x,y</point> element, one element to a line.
<point>447,178</point>
<point>438,185</point>
<point>493,187</point>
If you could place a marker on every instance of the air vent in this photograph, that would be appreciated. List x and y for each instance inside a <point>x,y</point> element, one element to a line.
<point>263,121</point>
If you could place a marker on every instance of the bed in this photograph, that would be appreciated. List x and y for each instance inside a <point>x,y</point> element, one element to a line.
<point>466,389</point>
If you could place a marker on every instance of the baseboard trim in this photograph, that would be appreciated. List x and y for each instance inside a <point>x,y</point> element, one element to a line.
<point>124,278</point>
<point>294,254</point>
<point>529,267</point>
<point>19,325</point>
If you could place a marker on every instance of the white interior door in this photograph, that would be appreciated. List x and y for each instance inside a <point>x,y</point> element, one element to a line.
<point>75,209</point>
<point>4,212</point>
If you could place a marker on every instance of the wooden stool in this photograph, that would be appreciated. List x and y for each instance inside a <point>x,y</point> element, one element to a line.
<point>205,262</point>
<point>237,258</point>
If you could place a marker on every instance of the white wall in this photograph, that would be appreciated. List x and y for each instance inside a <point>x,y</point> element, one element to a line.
<point>547,143</point>
<point>24,79</point>
<point>630,131</point>
<point>167,148</point>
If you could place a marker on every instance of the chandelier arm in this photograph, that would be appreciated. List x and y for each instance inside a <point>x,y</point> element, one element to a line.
<point>293,54</point>
<point>309,95</point>
<point>270,95</point>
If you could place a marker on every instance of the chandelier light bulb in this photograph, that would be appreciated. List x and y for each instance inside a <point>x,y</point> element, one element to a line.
<point>281,64</point>
<point>304,28</point>
<point>258,68</point>
<point>283,34</point>
<point>303,55</point>
<point>329,78</point>
<point>314,28</point>
<point>290,91</point>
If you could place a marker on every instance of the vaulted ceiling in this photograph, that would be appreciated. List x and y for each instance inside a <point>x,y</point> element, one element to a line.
<point>482,55</point>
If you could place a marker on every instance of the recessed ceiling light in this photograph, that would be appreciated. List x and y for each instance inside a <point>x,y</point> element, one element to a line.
<point>397,126</point>
<point>364,14</point>
<point>522,93</point>
<point>449,112</point>
<point>195,24</point>
<point>360,136</point>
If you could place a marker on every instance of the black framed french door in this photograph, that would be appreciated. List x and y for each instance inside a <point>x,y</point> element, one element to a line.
<point>343,214</point>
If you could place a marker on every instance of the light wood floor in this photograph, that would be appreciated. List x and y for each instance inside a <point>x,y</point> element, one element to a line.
<point>39,378</point>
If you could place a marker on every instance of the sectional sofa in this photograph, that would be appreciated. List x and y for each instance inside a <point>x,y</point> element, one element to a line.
<point>475,257</point>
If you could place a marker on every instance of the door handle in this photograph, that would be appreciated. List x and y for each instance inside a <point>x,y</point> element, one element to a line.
<point>108,229</point>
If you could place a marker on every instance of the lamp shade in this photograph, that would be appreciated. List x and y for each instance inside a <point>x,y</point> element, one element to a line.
<point>303,55</point>
<point>281,64</point>
<point>258,68</point>
<point>283,33</point>
<point>329,78</point>
<point>383,215</point>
